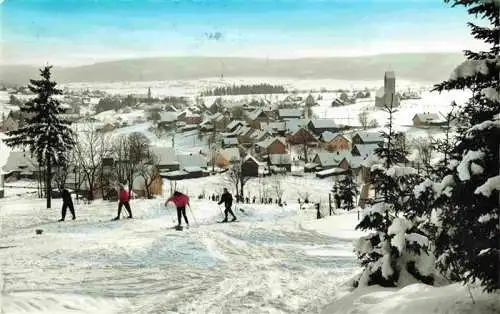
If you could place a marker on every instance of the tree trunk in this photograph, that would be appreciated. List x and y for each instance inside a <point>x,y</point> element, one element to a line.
<point>305,151</point>
<point>48,187</point>
<point>242,184</point>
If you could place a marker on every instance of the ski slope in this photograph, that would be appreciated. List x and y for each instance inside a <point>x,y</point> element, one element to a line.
<point>274,260</point>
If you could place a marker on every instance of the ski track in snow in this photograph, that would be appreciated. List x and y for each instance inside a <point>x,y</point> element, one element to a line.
<point>265,263</point>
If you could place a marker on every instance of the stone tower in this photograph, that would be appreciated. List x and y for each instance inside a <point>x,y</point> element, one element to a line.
<point>390,87</point>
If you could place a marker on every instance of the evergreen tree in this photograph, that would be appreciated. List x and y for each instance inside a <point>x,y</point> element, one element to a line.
<point>45,134</point>
<point>396,246</point>
<point>347,190</point>
<point>468,234</point>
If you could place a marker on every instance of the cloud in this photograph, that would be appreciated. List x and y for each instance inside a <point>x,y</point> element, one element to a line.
<point>213,36</point>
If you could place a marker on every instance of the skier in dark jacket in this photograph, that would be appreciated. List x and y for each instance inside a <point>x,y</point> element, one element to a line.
<point>67,203</point>
<point>227,199</point>
<point>337,200</point>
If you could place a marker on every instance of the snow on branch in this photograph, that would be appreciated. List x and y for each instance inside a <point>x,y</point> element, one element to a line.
<point>491,93</point>
<point>397,171</point>
<point>470,68</point>
<point>485,218</point>
<point>485,125</point>
<point>489,186</point>
<point>463,168</point>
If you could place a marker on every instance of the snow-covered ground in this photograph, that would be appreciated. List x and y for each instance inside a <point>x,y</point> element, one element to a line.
<point>275,260</point>
<point>430,102</point>
<point>414,299</point>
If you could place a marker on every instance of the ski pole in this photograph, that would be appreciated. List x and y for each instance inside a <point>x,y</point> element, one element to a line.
<point>221,212</point>
<point>194,218</point>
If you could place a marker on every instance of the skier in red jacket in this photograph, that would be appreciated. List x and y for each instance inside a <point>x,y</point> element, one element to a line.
<point>124,200</point>
<point>180,200</point>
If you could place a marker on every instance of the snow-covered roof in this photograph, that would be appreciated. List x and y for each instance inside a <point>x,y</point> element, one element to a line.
<point>191,160</point>
<point>250,157</point>
<point>280,159</point>
<point>429,117</point>
<point>192,169</point>
<point>255,114</point>
<point>166,155</point>
<point>330,171</point>
<point>324,123</point>
<point>366,149</point>
<point>168,116</point>
<point>370,137</point>
<point>268,142</point>
<point>230,141</point>
<point>356,161</point>
<point>175,173</point>
<point>230,154</point>
<point>233,124</point>
<point>19,161</point>
<point>330,159</point>
<point>287,113</point>
<point>244,130</point>
<point>293,125</point>
<point>327,136</point>
<point>279,126</point>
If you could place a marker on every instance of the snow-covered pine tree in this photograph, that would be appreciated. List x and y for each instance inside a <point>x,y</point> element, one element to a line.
<point>396,249</point>
<point>468,240</point>
<point>347,190</point>
<point>45,134</point>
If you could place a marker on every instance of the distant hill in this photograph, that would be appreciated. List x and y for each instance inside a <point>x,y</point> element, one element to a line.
<point>426,67</point>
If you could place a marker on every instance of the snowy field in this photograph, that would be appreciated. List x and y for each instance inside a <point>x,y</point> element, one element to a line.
<point>275,260</point>
<point>194,87</point>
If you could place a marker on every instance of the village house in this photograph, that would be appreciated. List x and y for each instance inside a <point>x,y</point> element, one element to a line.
<point>9,124</point>
<point>271,146</point>
<point>365,137</point>
<point>245,134</point>
<point>281,161</point>
<point>275,128</point>
<point>250,166</point>
<point>226,157</point>
<point>335,141</point>
<point>326,160</point>
<point>20,165</point>
<point>228,142</point>
<point>234,125</point>
<point>220,121</point>
<point>284,114</point>
<point>168,120</point>
<point>166,158</point>
<point>301,136</point>
<point>156,187</point>
<point>192,119</point>
<point>257,116</point>
<point>318,126</point>
<point>206,126</point>
<point>293,125</point>
<point>427,119</point>
<point>191,160</point>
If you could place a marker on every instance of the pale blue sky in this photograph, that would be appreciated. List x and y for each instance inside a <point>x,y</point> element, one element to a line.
<point>70,32</point>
